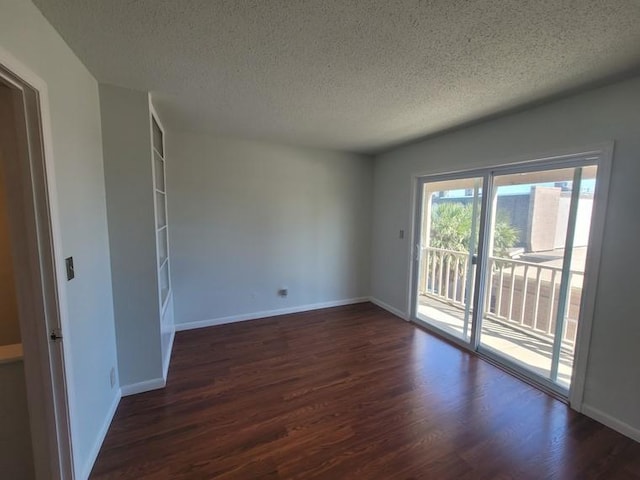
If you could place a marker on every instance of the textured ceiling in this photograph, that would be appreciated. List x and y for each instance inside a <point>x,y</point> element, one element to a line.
<point>352,75</point>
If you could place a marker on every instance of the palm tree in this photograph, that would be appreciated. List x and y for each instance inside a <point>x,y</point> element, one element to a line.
<point>451,230</point>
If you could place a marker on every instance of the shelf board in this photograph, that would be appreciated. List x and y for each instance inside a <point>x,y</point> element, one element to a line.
<point>11,353</point>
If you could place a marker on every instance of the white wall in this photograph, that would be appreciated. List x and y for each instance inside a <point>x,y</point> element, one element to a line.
<point>130,211</point>
<point>610,113</point>
<point>247,218</point>
<point>77,147</point>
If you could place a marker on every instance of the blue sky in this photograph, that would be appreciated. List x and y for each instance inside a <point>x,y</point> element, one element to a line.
<point>588,186</point>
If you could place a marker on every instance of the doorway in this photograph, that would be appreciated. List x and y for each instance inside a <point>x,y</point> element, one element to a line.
<point>30,238</point>
<point>501,262</point>
<point>16,459</point>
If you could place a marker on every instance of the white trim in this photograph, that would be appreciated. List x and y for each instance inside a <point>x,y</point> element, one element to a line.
<point>153,117</point>
<point>484,243</point>
<point>415,230</point>
<point>611,422</point>
<point>141,387</point>
<point>167,356</point>
<point>267,313</point>
<point>517,161</point>
<point>64,414</point>
<point>95,450</point>
<point>389,308</point>
<point>591,277</point>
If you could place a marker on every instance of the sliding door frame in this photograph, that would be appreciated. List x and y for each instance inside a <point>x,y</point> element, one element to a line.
<point>420,182</point>
<point>601,156</point>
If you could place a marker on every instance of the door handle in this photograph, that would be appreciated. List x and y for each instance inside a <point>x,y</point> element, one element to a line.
<point>55,335</point>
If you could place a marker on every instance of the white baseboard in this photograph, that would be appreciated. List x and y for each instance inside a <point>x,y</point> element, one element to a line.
<point>167,356</point>
<point>388,308</point>
<point>93,454</point>
<point>123,391</point>
<point>141,387</point>
<point>611,422</point>
<point>268,313</point>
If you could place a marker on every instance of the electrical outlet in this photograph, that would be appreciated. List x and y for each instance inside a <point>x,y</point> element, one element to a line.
<point>112,377</point>
<point>401,234</point>
<point>283,292</point>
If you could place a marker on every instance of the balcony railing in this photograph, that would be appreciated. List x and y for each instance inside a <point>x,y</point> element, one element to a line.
<point>521,294</point>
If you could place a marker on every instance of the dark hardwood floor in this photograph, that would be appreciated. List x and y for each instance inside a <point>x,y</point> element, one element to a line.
<point>349,392</point>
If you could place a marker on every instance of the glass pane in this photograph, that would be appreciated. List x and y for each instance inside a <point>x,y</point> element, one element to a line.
<point>158,168</point>
<point>161,213</point>
<point>525,284</point>
<point>449,245</point>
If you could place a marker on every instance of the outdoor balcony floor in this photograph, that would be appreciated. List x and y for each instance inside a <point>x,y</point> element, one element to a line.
<point>527,350</point>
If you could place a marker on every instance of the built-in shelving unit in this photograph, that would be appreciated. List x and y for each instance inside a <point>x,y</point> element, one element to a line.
<point>162,230</point>
<point>135,159</point>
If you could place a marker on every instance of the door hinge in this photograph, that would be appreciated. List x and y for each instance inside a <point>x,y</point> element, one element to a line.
<point>55,335</point>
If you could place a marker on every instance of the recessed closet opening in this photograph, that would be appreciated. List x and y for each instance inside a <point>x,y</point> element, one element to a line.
<point>15,433</point>
<point>34,406</point>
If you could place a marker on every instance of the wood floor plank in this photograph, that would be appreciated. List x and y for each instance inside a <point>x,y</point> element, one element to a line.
<point>349,392</point>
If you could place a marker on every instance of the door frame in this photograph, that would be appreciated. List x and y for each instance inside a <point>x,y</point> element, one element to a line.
<point>419,182</point>
<point>36,244</point>
<point>601,155</point>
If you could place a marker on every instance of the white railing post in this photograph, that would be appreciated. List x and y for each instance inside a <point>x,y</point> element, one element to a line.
<point>490,264</point>
<point>552,299</point>
<point>447,276</point>
<point>456,279</point>
<point>500,287</point>
<point>440,273</point>
<point>536,307</point>
<point>525,284</point>
<point>511,290</point>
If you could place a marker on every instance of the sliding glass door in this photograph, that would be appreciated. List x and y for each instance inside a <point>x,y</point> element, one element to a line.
<point>537,243</point>
<point>500,260</point>
<point>448,254</point>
